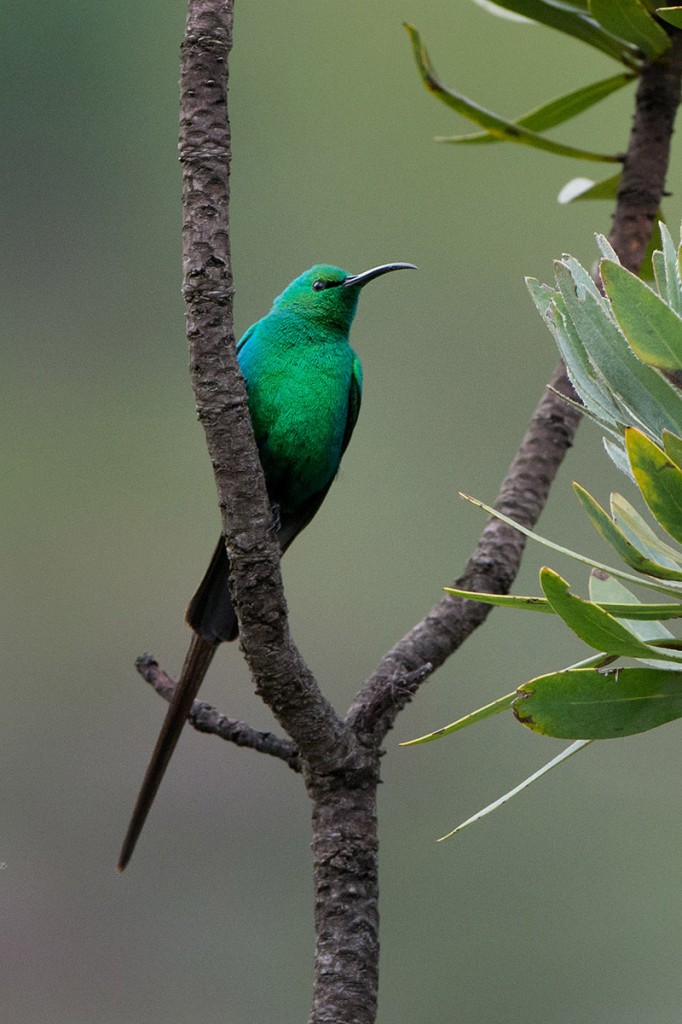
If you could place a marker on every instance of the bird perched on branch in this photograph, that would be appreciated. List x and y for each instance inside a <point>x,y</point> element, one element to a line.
<point>304,383</point>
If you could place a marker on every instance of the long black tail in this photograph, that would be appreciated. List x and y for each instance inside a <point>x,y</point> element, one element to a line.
<point>213,620</point>
<point>211,613</point>
<point>199,657</point>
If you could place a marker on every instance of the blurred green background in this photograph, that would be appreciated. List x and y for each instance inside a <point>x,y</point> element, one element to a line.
<point>565,905</point>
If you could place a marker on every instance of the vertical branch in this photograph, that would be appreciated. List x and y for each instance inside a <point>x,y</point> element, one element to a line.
<point>345,852</point>
<point>205,156</point>
<point>642,182</point>
<point>282,679</point>
<point>340,774</point>
<point>222,407</point>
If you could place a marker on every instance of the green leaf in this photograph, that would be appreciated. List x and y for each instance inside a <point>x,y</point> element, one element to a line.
<point>673,15</point>
<point>605,248</point>
<point>659,479</point>
<point>591,705</point>
<point>673,447</point>
<point>495,125</point>
<point>527,604</point>
<point>559,759</point>
<point>501,704</point>
<point>667,271</point>
<point>559,110</point>
<point>589,622</point>
<point>648,396</point>
<point>629,552</point>
<point>604,589</point>
<point>630,20</point>
<point>580,370</point>
<point>638,531</point>
<point>499,12</point>
<point>620,609</point>
<point>671,587</point>
<point>651,327</point>
<point>573,23</point>
<point>596,398</point>
<point>578,189</point>
<point>616,453</point>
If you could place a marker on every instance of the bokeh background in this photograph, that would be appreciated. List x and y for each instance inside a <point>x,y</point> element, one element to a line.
<point>566,904</point>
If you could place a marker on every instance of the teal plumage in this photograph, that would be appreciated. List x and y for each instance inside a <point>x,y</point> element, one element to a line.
<point>304,385</point>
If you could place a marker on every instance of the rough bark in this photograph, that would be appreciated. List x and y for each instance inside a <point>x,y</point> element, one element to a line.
<point>642,182</point>
<point>282,679</point>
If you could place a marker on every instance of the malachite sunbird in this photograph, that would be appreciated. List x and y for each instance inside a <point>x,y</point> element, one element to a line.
<point>303,382</point>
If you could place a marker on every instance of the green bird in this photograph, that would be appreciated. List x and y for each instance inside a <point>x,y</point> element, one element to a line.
<point>304,383</point>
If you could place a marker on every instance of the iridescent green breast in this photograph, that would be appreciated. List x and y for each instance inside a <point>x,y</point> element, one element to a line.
<point>300,381</point>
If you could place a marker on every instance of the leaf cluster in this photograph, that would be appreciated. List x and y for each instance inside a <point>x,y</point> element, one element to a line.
<point>628,31</point>
<point>618,347</point>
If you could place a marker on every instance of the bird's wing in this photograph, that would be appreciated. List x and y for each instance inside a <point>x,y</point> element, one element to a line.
<point>293,523</point>
<point>246,335</point>
<point>354,397</point>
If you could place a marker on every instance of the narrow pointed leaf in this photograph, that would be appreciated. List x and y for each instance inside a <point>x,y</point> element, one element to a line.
<point>572,192</point>
<point>559,759</point>
<point>498,126</point>
<point>673,15</point>
<point>605,248</point>
<point>604,589</point>
<point>638,531</point>
<point>614,536</point>
<point>630,20</point>
<point>597,400</point>
<point>652,328</point>
<point>573,23</point>
<point>589,622</point>
<point>671,588</point>
<point>616,453</point>
<point>667,271</point>
<point>590,705</point>
<point>612,596</point>
<point>559,110</point>
<point>643,391</point>
<point>619,608</point>
<point>526,604</point>
<point>501,704</point>
<point>659,479</point>
<point>500,12</point>
<point>673,447</point>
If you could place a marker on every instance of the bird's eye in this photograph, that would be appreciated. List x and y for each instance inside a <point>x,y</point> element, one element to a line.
<point>319,285</point>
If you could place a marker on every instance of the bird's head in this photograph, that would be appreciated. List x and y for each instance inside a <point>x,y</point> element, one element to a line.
<point>330,295</point>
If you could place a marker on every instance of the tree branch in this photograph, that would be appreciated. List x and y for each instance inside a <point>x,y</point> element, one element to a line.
<point>281,676</point>
<point>205,718</point>
<point>642,182</point>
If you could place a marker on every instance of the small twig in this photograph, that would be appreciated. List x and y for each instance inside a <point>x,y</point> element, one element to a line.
<point>205,718</point>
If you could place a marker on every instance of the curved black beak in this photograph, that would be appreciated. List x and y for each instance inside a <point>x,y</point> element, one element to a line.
<point>361,279</point>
